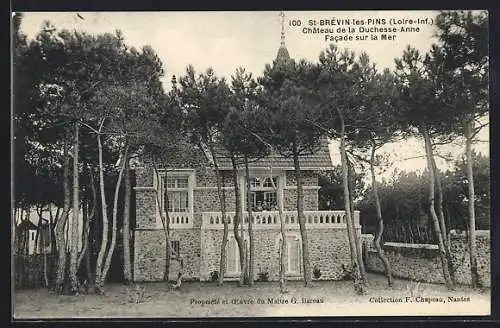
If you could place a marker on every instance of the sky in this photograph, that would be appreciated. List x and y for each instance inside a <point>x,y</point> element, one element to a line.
<point>228,40</point>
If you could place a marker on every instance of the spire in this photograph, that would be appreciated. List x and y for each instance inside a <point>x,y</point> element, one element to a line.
<point>282,15</point>
<point>282,55</point>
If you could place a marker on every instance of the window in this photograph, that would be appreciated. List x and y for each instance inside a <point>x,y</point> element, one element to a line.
<point>177,194</point>
<point>232,258</point>
<point>294,254</point>
<point>175,246</point>
<point>268,183</point>
<point>233,266</point>
<point>264,197</point>
<point>181,182</point>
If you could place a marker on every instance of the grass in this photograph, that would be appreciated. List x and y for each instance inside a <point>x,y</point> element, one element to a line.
<point>338,299</point>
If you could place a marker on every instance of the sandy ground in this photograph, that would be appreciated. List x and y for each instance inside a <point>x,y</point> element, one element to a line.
<point>337,298</point>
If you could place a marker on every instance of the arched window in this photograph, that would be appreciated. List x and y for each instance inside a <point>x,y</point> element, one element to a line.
<point>233,267</point>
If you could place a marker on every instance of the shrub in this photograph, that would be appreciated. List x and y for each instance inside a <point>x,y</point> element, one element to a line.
<point>263,276</point>
<point>191,279</point>
<point>347,272</point>
<point>214,276</point>
<point>316,272</point>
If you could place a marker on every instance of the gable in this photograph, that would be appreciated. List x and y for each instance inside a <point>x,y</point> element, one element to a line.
<point>27,225</point>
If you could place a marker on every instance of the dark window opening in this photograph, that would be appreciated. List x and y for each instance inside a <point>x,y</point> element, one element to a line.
<point>175,246</point>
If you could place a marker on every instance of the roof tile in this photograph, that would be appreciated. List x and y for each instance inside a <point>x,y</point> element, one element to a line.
<point>319,159</point>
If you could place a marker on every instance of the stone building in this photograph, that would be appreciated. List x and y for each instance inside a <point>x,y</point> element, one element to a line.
<point>196,222</point>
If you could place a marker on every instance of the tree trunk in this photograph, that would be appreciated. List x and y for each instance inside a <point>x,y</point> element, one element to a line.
<point>111,250</point>
<point>90,240</point>
<point>88,266</point>
<point>166,228</point>
<point>44,255</point>
<point>53,223</point>
<point>350,185</point>
<point>237,221</point>
<point>165,221</point>
<point>380,222</point>
<point>73,264</point>
<point>52,245</point>
<point>61,225</point>
<point>24,256</point>
<point>359,283</point>
<point>251,245</point>
<point>302,220</point>
<point>17,245</point>
<point>222,201</point>
<point>476,282</point>
<point>435,220</point>
<point>95,245</point>
<point>39,226</point>
<point>440,212</point>
<point>283,244</point>
<point>127,268</point>
<point>245,246</point>
<point>442,222</point>
<point>98,283</point>
<point>40,246</point>
<point>85,232</point>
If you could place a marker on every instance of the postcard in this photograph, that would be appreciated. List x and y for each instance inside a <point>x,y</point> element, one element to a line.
<point>192,164</point>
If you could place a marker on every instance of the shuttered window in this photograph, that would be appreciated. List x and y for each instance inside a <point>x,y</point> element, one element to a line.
<point>233,256</point>
<point>294,254</point>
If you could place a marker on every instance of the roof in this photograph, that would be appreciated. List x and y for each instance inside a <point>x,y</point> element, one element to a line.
<point>27,225</point>
<point>320,159</point>
<point>283,55</point>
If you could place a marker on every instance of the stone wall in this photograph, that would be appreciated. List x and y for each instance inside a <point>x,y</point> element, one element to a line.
<point>310,199</point>
<point>201,248</point>
<point>144,176</point>
<point>207,200</point>
<point>205,177</point>
<point>149,254</point>
<point>459,246</point>
<point>309,178</point>
<point>421,262</point>
<point>328,248</point>
<point>145,213</point>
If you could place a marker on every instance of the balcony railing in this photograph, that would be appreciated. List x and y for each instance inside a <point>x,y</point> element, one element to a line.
<point>271,219</point>
<point>179,220</point>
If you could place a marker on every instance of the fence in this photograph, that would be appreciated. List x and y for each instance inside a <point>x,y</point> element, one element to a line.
<point>409,233</point>
<point>28,270</point>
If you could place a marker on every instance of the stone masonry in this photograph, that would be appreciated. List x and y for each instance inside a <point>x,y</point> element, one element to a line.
<point>328,251</point>
<point>421,262</point>
<point>200,248</point>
